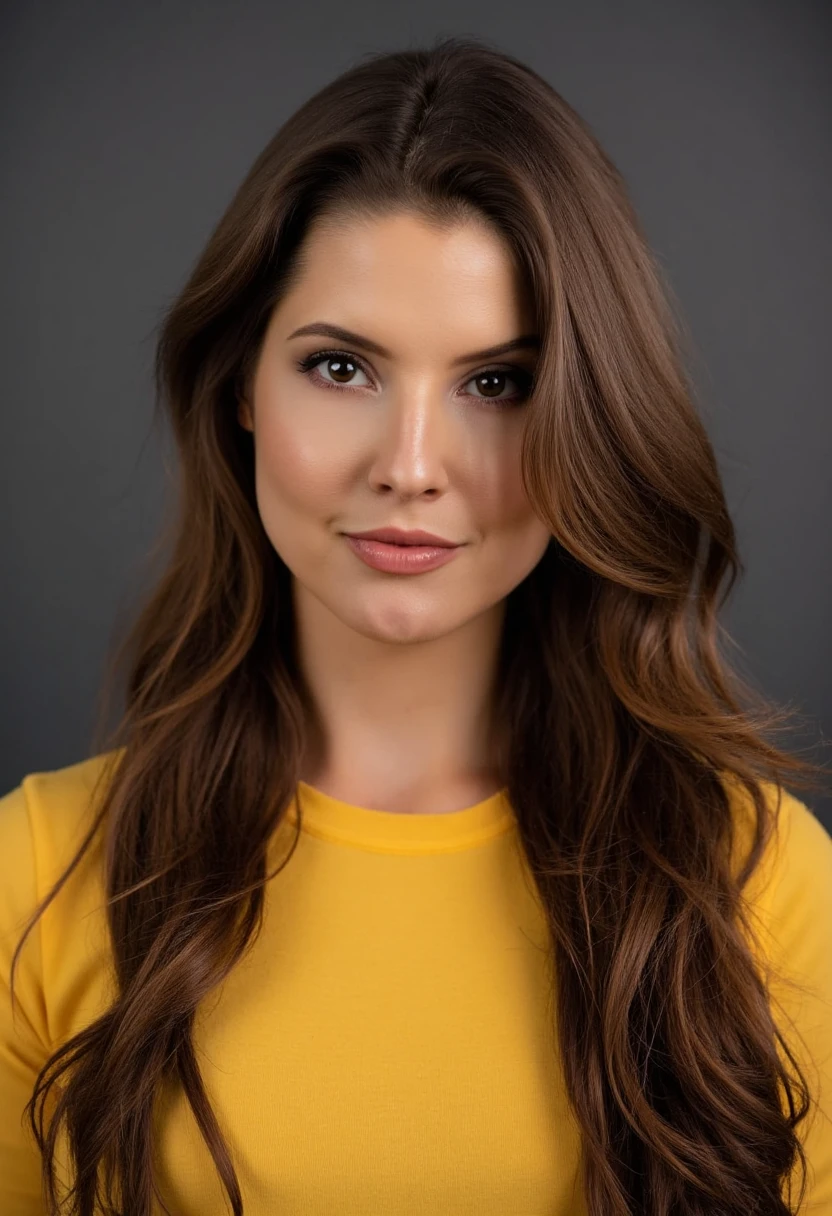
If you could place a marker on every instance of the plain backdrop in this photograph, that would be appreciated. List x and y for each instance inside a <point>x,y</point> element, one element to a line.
<point>126,129</point>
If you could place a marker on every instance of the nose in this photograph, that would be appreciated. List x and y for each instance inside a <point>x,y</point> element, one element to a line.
<point>412,445</point>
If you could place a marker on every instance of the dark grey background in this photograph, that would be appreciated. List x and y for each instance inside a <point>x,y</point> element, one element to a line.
<point>126,129</point>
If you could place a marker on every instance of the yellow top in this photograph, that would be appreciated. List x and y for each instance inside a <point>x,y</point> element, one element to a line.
<point>386,1047</point>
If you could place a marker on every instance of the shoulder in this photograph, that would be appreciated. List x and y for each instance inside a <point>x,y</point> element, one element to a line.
<point>52,809</point>
<point>788,904</point>
<point>43,821</point>
<point>64,972</point>
<point>790,892</point>
<point>787,915</point>
<point>62,790</point>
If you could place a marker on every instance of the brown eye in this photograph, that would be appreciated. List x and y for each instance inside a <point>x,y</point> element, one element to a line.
<point>341,369</point>
<point>338,368</point>
<point>491,384</point>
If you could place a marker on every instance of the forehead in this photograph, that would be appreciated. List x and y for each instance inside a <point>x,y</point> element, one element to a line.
<point>401,271</point>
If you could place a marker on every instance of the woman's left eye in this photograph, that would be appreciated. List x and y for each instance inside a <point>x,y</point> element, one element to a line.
<point>491,384</point>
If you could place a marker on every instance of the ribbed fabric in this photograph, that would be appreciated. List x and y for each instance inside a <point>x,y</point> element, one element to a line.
<point>388,1045</point>
<point>391,832</point>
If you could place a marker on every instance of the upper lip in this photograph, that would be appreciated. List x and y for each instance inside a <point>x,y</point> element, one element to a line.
<point>397,536</point>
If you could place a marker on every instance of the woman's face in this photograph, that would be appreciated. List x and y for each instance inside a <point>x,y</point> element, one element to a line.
<point>400,425</point>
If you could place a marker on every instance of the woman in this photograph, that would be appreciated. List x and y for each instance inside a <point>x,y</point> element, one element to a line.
<point>425,873</point>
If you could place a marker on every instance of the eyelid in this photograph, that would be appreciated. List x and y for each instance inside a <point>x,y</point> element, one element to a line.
<point>308,362</point>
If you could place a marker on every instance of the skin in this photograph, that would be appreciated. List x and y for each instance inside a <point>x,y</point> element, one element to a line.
<point>400,667</point>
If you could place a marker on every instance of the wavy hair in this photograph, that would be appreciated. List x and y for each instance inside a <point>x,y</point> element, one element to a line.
<point>625,724</point>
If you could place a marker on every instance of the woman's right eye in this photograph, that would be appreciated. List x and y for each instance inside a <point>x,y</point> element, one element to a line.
<point>338,365</point>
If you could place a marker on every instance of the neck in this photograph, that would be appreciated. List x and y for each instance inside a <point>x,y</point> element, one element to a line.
<point>398,723</point>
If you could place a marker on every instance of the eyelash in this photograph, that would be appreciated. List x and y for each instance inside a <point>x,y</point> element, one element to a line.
<point>309,362</point>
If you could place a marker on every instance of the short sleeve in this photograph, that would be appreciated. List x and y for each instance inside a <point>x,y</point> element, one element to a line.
<point>791,901</point>
<point>24,1045</point>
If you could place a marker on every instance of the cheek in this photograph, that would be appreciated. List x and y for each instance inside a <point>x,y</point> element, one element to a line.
<point>515,536</point>
<point>299,463</point>
<point>502,505</point>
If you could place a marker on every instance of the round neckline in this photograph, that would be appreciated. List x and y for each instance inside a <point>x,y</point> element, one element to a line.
<point>329,818</point>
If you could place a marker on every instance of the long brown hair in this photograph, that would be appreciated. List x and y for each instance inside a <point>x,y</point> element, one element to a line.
<point>625,723</point>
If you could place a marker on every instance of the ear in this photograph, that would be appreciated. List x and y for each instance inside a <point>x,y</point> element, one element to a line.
<point>244,414</point>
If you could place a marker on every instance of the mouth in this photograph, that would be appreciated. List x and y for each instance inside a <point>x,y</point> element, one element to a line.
<point>402,537</point>
<point>393,557</point>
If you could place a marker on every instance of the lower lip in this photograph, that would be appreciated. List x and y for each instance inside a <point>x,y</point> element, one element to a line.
<point>401,559</point>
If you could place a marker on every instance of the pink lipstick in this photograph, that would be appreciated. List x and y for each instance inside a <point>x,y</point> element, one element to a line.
<point>396,551</point>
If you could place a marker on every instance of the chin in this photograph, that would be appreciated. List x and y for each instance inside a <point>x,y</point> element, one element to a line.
<point>403,625</point>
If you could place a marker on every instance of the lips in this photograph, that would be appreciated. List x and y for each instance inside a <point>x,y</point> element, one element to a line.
<point>399,536</point>
<point>395,558</point>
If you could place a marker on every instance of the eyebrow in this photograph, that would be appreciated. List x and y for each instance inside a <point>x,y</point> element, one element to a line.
<point>524,342</point>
